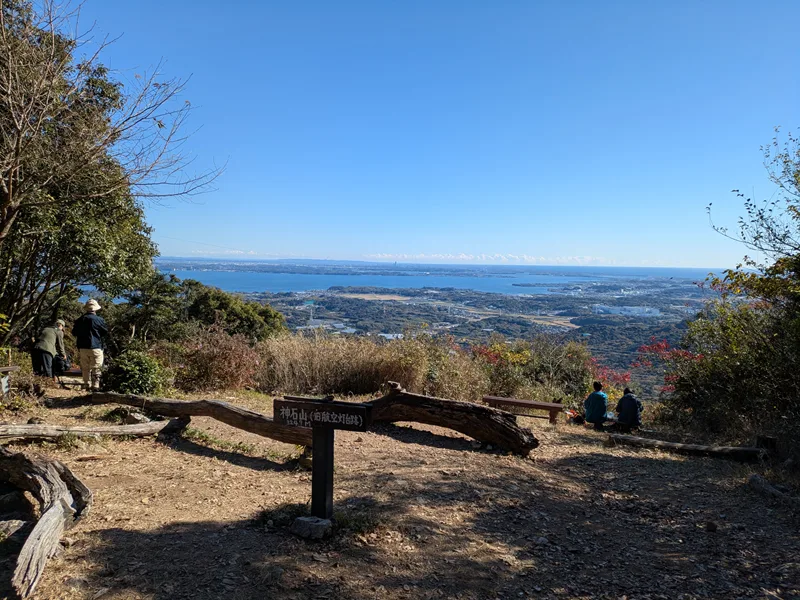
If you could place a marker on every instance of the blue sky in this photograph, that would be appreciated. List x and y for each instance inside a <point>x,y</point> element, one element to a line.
<point>464,131</point>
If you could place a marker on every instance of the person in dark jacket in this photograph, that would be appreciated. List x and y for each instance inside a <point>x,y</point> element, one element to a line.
<point>50,343</point>
<point>89,331</point>
<point>629,411</point>
<point>595,406</point>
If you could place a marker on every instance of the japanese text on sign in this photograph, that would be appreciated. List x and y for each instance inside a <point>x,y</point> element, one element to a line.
<point>309,418</point>
<point>325,414</point>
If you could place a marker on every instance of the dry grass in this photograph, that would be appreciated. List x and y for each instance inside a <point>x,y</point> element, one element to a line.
<point>320,364</point>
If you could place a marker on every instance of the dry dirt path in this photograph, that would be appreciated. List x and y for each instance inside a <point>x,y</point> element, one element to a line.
<point>427,515</point>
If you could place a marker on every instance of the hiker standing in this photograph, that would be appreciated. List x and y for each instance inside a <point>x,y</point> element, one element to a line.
<point>629,411</point>
<point>596,405</point>
<point>50,343</point>
<point>89,331</point>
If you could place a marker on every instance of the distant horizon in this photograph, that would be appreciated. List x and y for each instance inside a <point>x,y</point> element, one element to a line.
<point>252,259</point>
<point>581,133</point>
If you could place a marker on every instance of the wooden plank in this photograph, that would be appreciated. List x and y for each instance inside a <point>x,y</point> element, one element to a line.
<point>742,453</point>
<point>232,415</point>
<point>12,369</point>
<point>524,403</point>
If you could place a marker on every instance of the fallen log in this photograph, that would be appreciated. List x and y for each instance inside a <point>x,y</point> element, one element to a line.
<point>39,432</point>
<point>62,498</point>
<point>741,453</point>
<point>232,415</point>
<point>765,488</point>
<point>478,421</point>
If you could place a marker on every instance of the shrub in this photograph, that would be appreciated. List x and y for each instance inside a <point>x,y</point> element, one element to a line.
<point>136,372</point>
<point>544,369</point>
<point>736,374</point>
<point>215,360</point>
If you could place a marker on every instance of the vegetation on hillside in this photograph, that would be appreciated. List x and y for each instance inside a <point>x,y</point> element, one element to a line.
<point>736,372</point>
<point>79,151</point>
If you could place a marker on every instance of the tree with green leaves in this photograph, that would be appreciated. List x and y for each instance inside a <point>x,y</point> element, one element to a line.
<point>770,228</point>
<point>79,151</point>
<point>166,309</point>
<point>64,118</point>
<point>737,370</point>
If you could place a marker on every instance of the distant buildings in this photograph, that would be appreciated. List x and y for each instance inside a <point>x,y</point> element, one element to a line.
<point>627,311</point>
<point>327,325</point>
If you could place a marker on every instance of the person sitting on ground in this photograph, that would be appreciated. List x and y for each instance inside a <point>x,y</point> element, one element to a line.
<point>89,331</point>
<point>595,406</point>
<point>629,412</point>
<point>50,343</point>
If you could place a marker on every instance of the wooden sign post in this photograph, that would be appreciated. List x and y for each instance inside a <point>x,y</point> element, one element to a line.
<point>324,417</point>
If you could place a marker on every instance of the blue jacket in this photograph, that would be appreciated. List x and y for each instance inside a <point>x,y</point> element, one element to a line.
<point>595,407</point>
<point>629,410</point>
<point>89,331</point>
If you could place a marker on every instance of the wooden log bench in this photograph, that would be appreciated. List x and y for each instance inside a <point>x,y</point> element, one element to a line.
<point>552,408</point>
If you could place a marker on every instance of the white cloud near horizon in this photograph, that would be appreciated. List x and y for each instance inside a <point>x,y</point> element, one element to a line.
<point>495,258</point>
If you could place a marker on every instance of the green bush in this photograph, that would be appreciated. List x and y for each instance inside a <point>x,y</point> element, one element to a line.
<point>135,372</point>
<point>545,369</point>
<point>735,375</point>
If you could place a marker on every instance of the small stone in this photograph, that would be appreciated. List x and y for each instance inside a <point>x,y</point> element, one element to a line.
<point>542,541</point>
<point>135,418</point>
<point>270,523</point>
<point>359,439</point>
<point>490,447</point>
<point>145,500</point>
<point>711,527</point>
<point>311,528</point>
<point>76,583</point>
<point>36,421</point>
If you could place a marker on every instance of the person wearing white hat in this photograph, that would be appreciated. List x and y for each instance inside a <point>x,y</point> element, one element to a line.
<point>89,331</point>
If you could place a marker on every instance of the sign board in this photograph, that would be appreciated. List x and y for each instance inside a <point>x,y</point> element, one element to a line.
<point>327,414</point>
<point>4,386</point>
<point>324,417</point>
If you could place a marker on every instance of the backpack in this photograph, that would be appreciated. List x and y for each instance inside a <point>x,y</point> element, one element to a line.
<point>61,365</point>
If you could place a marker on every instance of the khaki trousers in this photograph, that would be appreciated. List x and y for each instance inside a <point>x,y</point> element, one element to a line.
<point>91,363</point>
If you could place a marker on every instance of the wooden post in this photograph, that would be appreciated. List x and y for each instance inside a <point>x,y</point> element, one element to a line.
<point>322,473</point>
<point>323,416</point>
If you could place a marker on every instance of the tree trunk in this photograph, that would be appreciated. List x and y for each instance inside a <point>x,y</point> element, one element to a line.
<point>741,453</point>
<point>235,416</point>
<point>55,431</point>
<point>765,488</point>
<point>481,422</point>
<point>62,498</point>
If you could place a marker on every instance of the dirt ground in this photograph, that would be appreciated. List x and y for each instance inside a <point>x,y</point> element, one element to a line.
<point>422,513</point>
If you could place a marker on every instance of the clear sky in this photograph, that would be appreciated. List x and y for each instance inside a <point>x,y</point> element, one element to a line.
<point>465,131</point>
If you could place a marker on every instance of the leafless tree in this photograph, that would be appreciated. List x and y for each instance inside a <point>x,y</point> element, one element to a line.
<point>63,117</point>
